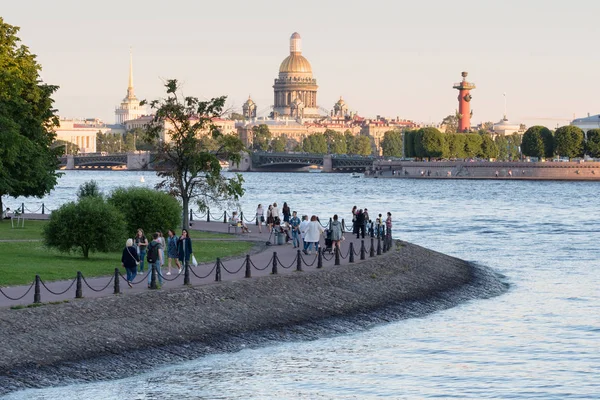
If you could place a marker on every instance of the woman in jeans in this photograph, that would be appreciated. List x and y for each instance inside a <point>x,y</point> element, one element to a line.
<point>260,217</point>
<point>312,234</point>
<point>130,260</point>
<point>184,248</point>
<point>141,243</point>
<point>172,252</point>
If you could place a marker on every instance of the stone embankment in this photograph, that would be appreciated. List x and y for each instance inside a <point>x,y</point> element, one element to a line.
<point>113,337</point>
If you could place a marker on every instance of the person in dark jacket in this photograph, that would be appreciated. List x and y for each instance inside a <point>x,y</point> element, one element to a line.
<point>359,226</point>
<point>130,260</point>
<point>184,248</point>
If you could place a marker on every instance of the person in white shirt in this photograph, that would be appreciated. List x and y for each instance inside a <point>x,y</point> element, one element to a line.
<point>312,234</point>
<point>302,228</point>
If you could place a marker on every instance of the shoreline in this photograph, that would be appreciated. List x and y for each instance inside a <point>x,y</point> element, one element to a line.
<point>47,346</point>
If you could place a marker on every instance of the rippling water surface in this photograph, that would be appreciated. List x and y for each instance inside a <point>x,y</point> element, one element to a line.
<point>539,340</point>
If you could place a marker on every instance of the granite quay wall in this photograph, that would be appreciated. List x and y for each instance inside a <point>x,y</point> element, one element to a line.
<point>487,170</point>
<point>117,336</point>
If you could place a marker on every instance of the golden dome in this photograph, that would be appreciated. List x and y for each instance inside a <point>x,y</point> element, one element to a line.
<point>295,63</point>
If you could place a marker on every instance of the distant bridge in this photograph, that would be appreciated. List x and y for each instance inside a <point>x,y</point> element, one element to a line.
<point>264,161</point>
<point>133,161</point>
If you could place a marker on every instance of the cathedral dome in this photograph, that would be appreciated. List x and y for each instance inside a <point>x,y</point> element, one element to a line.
<point>295,63</point>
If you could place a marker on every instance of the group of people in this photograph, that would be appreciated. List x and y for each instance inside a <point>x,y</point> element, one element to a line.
<point>273,217</point>
<point>361,222</point>
<point>138,250</point>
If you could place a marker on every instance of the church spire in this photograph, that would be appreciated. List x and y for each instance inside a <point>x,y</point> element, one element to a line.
<point>130,93</point>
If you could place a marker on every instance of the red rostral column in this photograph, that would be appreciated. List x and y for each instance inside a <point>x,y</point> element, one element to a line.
<point>464,99</point>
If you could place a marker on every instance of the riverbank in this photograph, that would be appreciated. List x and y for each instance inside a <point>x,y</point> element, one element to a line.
<point>110,337</point>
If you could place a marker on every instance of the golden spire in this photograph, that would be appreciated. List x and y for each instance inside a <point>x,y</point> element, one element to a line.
<point>130,93</point>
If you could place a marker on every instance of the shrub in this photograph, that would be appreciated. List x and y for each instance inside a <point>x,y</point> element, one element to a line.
<point>89,189</point>
<point>148,209</point>
<point>89,225</point>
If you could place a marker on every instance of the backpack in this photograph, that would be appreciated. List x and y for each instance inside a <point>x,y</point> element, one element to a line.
<point>152,254</point>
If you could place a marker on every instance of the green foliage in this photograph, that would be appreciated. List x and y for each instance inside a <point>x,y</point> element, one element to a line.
<point>64,147</point>
<point>569,141</point>
<point>409,143</point>
<point>278,144</point>
<point>489,149</point>
<point>148,209</point>
<point>28,163</point>
<point>456,145</point>
<point>191,172</point>
<point>315,143</point>
<point>89,189</point>
<point>362,145</point>
<point>472,144</point>
<point>451,123</point>
<point>261,137</point>
<point>592,147</point>
<point>116,142</point>
<point>349,139</point>
<point>237,117</point>
<point>336,142</point>
<point>433,143</point>
<point>537,142</point>
<point>391,145</point>
<point>90,225</point>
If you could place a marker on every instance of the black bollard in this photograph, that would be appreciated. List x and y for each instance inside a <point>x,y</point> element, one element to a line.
<point>218,271</point>
<point>43,209</point>
<point>224,217</point>
<point>319,259</point>
<point>351,252</point>
<point>274,269</point>
<point>372,230</point>
<point>330,220</point>
<point>208,215</point>
<point>191,215</point>
<point>153,278</point>
<point>337,255</point>
<point>78,288</point>
<point>363,251</point>
<point>22,208</point>
<point>186,273</point>
<point>379,246</point>
<point>299,261</point>
<point>117,282</point>
<point>248,270</point>
<point>343,225</point>
<point>372,249</point>
<point>37,297</point>
<point>242,216</point>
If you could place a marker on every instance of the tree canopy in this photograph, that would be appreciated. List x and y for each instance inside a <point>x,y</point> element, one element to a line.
<point>592,147</point>
<point>261,137</point>
<point>569,141</point>
<point>190,171</point>
<point>28,163</point>
<point>538,142</point>
<point>391,145</point>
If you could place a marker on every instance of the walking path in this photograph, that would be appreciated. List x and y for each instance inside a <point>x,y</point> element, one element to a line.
<point>261,264</point>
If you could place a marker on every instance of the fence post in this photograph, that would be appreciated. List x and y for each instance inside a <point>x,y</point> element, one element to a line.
<point>343,225</point>
<point>329,226</point>
<point>208,215</point>
<point>22,208</point>
<point>43,209</point>
<point>372,230</point>
<point>337,255</point>
<point>299,261</point>
<point>224,217</point>
<point>372,249</point>
<point>78,291</point>
<point>363,251</point>
<point>242,216</point>
<point>37,297</point>
<point>153,277</point>
<point>248,270</point>
<point>117,283</point>
<point>186,273</point>
<point>351,252</point>
<point>191,215</point>
<point>274,269</point>
<point>218,271</point>
<point>319,259</point>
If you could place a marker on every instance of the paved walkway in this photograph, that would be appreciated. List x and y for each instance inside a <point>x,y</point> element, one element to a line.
<point>231,269</point>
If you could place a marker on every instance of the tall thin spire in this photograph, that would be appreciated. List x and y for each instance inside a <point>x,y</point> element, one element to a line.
<point>130,92</point>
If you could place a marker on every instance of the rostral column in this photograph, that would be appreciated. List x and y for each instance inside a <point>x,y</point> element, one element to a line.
<point>464,100</point>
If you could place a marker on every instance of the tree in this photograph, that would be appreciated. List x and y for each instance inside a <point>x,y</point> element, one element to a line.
<point>64,147</point>
<point>537,142</point>
<point>336,142</point>
<point>569,141</point>
<point>391,145</point>
<point>433,143</point>
<point>237,117</point>
<point>409,143</point>
<point>489,149</point>
<point>502,144</point>
<point>592,147</point>
<point>89,189</point>
<point>472,144</point>
<point>362,145</point>
<point>315,143</point>
<point>28,162</point>
<point>90,225</point>
<point>261,137</point>
<point>513,146</point>
<point>148,209</point>
<point>278,144</point>
<point>456,145</point>
<point>451,123</point>
<point>349,139</point>
<point>191,172</point>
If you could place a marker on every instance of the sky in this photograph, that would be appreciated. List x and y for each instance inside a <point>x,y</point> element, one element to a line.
<point>390,58</point>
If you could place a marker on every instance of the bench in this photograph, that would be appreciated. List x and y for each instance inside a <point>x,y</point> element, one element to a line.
<point>233,226</point>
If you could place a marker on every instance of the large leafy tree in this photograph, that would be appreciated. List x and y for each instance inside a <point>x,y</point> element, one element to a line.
<point>278,144</point>
<point>569,141</point>
<point>362,145</point>
<point>537,142</point>
<point>191,172</point>
<point>489,149</point>
<point>451,123</point>
<point>315,143</point>
<point>433,142</point>
<point>592,146</point>
<point>391,145</point>
<point>261,137</point>
<point>349,138</point>
<point>28,163</point>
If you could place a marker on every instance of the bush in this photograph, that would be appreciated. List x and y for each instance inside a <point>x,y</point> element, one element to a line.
<point>89,225</point>
<point>89,189</point>
<point>148,209</point>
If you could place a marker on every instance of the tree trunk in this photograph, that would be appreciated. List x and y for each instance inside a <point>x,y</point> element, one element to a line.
<point>186,212</point>
<point>1,209</point>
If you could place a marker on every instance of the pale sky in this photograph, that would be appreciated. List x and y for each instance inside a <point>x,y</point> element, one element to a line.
<point>392,58</point>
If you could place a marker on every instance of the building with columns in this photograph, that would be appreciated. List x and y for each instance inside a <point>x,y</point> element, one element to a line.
<point>80,132</point>
<point>130,106</point>
<point>249,109</point>
<point>295,89</point>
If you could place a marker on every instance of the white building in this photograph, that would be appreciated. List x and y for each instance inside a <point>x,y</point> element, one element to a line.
<point>587,123</point>
<point>505,127</point>
<point>130,106</point>
<point>81,132</point>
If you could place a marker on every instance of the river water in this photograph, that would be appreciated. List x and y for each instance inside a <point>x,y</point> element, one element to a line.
<point>541,339</point>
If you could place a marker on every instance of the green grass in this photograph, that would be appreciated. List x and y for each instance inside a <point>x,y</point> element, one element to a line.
<point>21,261</point>
<point>32,230</point>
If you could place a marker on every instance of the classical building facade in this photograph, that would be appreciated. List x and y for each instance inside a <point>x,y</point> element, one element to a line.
<point>130,106</point>
<point>80,132</point>
<point>295,89</point>
<point>249,109</point>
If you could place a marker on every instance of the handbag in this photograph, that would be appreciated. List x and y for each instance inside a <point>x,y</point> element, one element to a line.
<point>137,263</point>
<point>194,262</point>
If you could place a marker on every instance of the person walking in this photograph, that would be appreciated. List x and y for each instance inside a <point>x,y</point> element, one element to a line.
<point>336,232</point>
<point>260,217</point>
<point>163,246</point>
<point>130,260</point>
<point>302,228</point>
<point>275,214</point>
<point>359,225</point>
<point>312,234</point>
<point>172,252</point>
<point>154,257</point>
<point>286,212</point>
<point>184,248</point>
<point>270,218</point>
<point>141,243</point>
<point>295,226</point>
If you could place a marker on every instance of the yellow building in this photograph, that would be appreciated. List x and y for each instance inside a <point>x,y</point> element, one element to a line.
<point>80,132</point>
